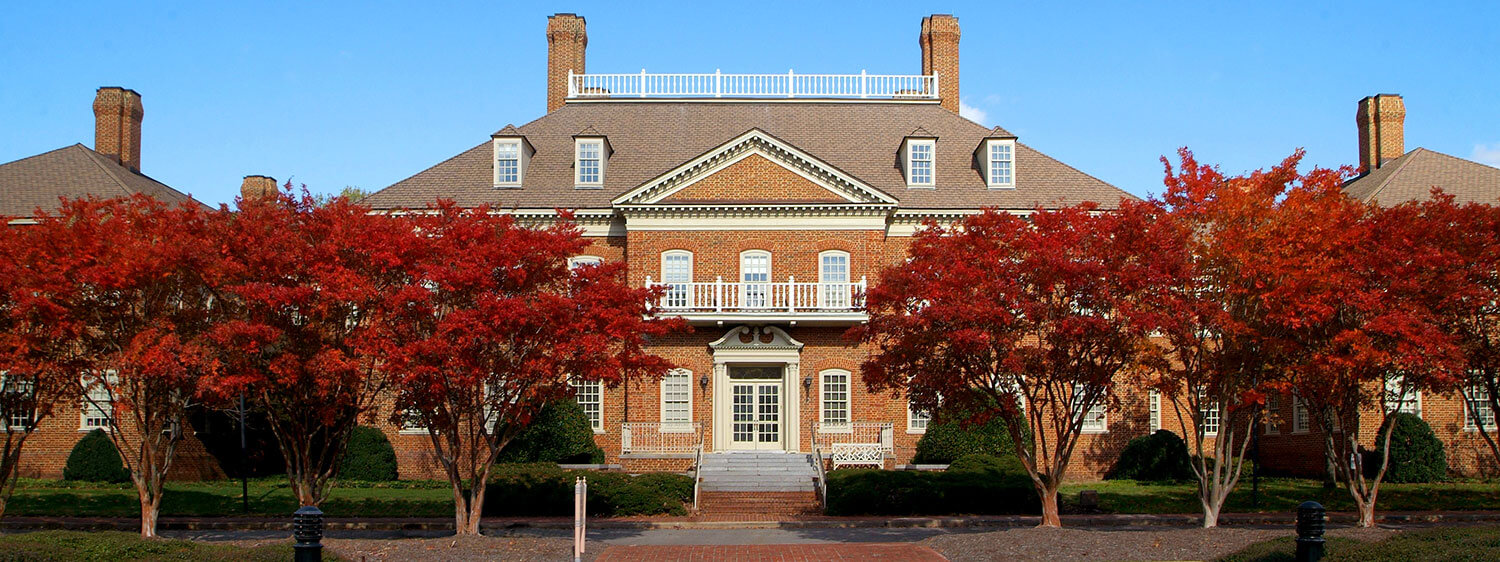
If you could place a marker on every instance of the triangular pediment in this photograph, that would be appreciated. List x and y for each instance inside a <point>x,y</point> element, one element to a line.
<point>755,168</point>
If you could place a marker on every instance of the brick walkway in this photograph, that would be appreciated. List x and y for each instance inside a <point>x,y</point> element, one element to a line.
<point>778,552</point>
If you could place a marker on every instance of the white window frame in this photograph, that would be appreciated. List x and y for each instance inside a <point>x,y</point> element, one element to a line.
<point>1153,409</point>
<point>103,402</point>
<point>1481,398</point>
<point>409,424</point>
<point>677,296</point>
<point>824,387</point>
<point>1204,411</point>
<point>990,162</point>
<point>1273,411</point>
<point>1394,396</point>
<point>596,390</point>
<point>1301,421</point>
<point>684,378</point>
<point>1097,415</point>
<point>8,418</point>
<point>759,297</point>
<point>576,262</point>
<point>578,179</point>
<point>520,161</point>
<point>916,421</point>
<point>911,175</point>
<point>833,293</point>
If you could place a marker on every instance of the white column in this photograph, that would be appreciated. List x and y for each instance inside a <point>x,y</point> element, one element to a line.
<point>794,407</point>
<point>718,390</point>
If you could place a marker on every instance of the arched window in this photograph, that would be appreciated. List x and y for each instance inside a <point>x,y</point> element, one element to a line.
<point>677,274</point>
<point>834,290</point>
<point>834,399</point>
<point>576,262</point>
<point>755,278</point>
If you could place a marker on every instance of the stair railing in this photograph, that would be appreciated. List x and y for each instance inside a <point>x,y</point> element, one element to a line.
<point>697,469</point>
<point>820,482</point>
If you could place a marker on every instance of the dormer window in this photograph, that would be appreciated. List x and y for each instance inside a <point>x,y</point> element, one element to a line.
<point>512,156</point>
<point>920,155</point>
<point>1000,163</point>
<point>591,158</point>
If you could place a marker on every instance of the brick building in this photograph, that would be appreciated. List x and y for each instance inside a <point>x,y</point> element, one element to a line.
<point>765,203</point>
<point>37,184</point>
<point>1390,175</point>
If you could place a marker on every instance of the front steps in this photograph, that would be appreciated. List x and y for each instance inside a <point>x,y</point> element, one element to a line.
<point>753,486</point>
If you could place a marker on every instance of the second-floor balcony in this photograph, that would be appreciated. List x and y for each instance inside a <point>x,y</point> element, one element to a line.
<point>822,303</point>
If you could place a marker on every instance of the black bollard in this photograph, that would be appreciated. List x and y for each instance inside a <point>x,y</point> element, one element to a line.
<point>307,531</point>
<point>1310,524</point>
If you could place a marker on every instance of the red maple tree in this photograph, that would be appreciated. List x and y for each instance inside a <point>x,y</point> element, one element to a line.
<point>498,327</point>
<point>307,291</point>
<point>1033,319</point>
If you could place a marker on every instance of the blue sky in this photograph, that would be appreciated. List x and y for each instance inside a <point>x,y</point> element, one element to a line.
<point>365,94</point>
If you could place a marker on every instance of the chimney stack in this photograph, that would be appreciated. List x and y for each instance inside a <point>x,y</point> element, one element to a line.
<point>1382,136</point>
<point>566,41</point>
<point>257,187</point>
<point>939,42</point>
<point>117,125</point>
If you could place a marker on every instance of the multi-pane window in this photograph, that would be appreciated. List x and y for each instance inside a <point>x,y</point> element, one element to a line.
<point>919,162</point>
<point>1094,419</point>
<point>590,162</point>
<point>1002,160</point>
<point>1401,398</point>
<point>507,162</point>
<point>17,403</point>
<point>580,261</point>
<point>833,277</point>
<point>835,408</point>
<point>1273,410</point>
<point>916,420</point>
<point>676,273</point>
<point>677,398</point>
<point>1154,421</point>
<point>1208,411</point>
<point>98,405</point>
<point>1300,422</point>
<point>590,395</point>
<point>1478,407</point>
<point>755,276</point>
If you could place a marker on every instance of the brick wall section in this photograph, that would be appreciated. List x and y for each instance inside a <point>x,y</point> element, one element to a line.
<point>47,449</point>
<point>755,178</point>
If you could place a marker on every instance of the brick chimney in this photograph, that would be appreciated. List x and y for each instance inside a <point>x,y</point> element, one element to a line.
<point>1382,137</point>
<point>117,125</point>
<point>257,187</point>
<point>566,41</point>
<point>939,42</point>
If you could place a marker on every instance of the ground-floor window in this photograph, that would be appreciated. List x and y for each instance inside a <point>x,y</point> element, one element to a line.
<point>1273,408</point>
<point>1153,421</point>
<point>1094,420</point>
<point>16,403</point>
<point>916,420</point>
<point>1209,413</point>
<point>835,405</point>
<point>590,395</point>
<point>1401,398</point>
<point>677,398</point>
<point>1299,415</point>
<point>1478,401</point>
<point>98,404</point>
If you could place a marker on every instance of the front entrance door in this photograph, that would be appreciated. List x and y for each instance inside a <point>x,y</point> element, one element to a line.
<point>755,409</point>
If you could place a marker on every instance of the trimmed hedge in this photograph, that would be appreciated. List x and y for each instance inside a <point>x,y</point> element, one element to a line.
<point>980,484</point>
<point>560,434</point>
<point>1160,456</point>
<point>949,437</point>
<point>115,546</point>
<point>547,489</point>
<point>94,459</point>
<point>369,456</point>
<point>1416,453</point>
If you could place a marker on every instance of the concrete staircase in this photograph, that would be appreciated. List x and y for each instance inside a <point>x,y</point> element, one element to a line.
<point>757,486</point>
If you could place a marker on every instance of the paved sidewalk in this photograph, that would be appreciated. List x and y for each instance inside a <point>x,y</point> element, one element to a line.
<point>814,552</point>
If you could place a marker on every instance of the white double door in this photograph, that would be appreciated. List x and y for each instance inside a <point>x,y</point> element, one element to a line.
<point>755,415</point>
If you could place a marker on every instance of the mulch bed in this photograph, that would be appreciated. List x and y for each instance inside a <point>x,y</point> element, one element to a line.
<point>1116,544</point>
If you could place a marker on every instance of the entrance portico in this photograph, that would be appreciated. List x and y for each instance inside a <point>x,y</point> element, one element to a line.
<point>756,396</point>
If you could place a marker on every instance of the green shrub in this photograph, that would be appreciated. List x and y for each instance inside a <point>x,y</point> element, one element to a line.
<point>94,459</point>
<point>978,486</point>
<point>948,437</point>
<point>533,489</point>
<point>1159,456</point>
<point>1416,453</point>
<point>560,433</point>
<point>369,457</point>
<point>114,546</point>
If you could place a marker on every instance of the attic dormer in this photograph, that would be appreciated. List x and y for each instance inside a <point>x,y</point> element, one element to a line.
<point>919,159</point>
<point>996,155</point>
<point>591,152</point>
<point>512,157</point>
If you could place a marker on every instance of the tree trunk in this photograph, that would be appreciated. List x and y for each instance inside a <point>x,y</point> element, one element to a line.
<point>150,507</point>
<point>1366,512</point>
<point>476,506</point>
<point>1050,515</point>
<point>1211,513</point>
<point>460,510</point>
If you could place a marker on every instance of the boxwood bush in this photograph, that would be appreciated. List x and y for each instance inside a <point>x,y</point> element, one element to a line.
<point>94,459</point>
<point>560,434</point>
<point>547,489</point>
<point>949,437</point>
<point>1416,453</point>
<point>1159,456</point>
<point>975,484</point>
<point>369,456</point>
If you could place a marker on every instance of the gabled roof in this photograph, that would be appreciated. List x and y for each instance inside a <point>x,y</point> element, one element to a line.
<point>72,171</point>
<point>652,138</point>
<point>1412,177</point>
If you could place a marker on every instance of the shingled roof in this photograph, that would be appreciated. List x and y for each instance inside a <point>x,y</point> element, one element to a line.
<point>649,138</point>
<point>71,172</point>
<point>1412,176</point>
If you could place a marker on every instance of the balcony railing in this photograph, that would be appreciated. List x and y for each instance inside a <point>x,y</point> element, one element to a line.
<point>661,438</point>
<point>720,85</point>
<point>790,297</point>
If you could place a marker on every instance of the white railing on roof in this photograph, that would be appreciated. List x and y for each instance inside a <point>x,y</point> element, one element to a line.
<point>721,85</point>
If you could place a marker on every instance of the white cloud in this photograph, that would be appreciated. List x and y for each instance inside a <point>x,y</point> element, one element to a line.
<point>975,114</point>
<point>1483,153</point>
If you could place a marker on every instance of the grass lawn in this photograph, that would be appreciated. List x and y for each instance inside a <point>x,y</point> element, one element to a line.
<point>1283,494</point>
<point>128,547</point>
<point>268,497</point>
<point>1456,543</point>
